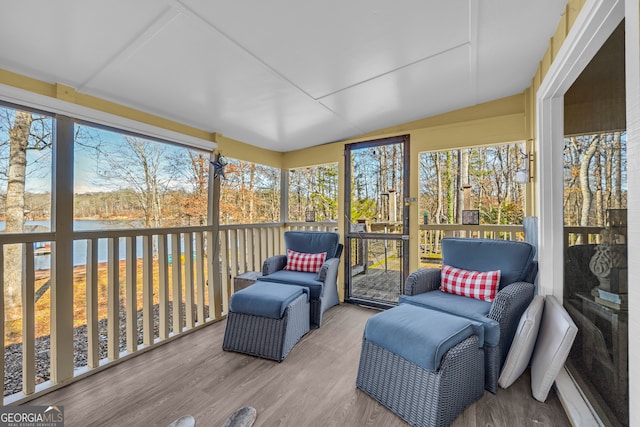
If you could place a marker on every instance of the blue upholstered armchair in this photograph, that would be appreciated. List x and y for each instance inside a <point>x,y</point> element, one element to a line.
<point>323,285</point>
<point>501,316</point>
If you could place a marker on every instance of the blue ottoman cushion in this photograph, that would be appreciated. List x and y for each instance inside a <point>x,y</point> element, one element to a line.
<point>471,308</point>
<point>266,299</point>
<point>449,303</point>
<point>300,278</point>
<point>420,335</point>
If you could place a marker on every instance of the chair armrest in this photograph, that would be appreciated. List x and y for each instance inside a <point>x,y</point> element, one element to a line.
<point>507,308</point>
<point>273,264</point>
<point>421,281</point>
<point>329,269</point>
<point>328,274</point>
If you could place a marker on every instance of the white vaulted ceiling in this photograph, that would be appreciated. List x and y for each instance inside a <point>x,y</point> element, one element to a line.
<point>282,74</point>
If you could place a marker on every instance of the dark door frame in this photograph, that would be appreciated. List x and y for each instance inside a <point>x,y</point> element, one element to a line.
<point>349,234</point>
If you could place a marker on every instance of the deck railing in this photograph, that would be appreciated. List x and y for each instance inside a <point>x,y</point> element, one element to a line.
<point>140,288</point>
<point>136,289</point>
<point>576,235</point>
<point>431,235</point>
<point>256,242</point>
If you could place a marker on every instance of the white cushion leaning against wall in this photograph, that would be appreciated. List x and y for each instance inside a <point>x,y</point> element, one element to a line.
<point>523,343</point>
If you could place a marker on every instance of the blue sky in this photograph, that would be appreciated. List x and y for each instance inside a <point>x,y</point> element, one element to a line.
<point>86,165</point>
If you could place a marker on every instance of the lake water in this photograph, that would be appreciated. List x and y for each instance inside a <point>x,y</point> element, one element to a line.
<point>43,262</point>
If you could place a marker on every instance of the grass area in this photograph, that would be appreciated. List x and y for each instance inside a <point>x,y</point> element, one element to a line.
<point>13,315</point>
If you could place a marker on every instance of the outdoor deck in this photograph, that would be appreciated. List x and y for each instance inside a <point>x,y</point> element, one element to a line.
<point>315,385</point>
<point>377,284</point>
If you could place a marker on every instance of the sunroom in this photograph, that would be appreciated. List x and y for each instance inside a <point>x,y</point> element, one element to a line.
<point>281,117</point>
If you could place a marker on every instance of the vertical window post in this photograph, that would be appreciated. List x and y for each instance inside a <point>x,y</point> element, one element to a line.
<point>284,195</point>
<point>62,253</point>
<point>213,241</point>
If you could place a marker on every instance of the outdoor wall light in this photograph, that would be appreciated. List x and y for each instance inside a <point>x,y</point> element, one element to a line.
<point>523,175</point>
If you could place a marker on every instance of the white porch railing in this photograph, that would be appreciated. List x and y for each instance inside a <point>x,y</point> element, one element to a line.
<point>151,286</point>
<point>145,287</point>
<point>256,242</point>
<point>139,294</point>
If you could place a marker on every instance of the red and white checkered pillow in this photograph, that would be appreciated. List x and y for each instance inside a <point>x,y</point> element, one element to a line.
<point>299,261</point>
<point>474,284</point>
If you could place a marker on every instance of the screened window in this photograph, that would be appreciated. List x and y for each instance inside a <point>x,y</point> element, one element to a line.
<point>25,171</point>
<point>250,193</point>
<point>481,178</point>
<point>313,193</point>
<point>124,181</point>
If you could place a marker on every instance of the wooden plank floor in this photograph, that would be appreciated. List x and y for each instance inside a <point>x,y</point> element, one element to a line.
<point>314,386</point>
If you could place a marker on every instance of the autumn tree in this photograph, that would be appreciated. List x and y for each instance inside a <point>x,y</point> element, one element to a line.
<point>250,193</point>
<point>193,197</point>
<point>198,206</point>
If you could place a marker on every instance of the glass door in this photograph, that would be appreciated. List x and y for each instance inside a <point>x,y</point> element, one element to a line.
<point>377,220</point>
<point>595,231</point>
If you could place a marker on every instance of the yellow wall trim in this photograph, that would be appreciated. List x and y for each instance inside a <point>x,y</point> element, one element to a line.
<point>70,95</point>
<point>488,131</point>
<point>239,150</point>
<point>499,107</point>
<point>27,83</point>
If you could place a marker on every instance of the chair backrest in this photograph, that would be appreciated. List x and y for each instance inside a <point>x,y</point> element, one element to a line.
<point>314,242</point>
<point>513,259</point>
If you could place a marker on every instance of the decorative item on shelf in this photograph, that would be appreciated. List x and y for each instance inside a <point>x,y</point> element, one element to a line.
<point>524,175</point>
<point>470,217</point>
<point>612,300</point>
<point>609,265</point>
<point>218,166</point>
<point>310,215</point>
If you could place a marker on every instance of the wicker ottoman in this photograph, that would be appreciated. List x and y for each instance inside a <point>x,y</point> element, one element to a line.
<point>423,365</point>
<point>267,320</point>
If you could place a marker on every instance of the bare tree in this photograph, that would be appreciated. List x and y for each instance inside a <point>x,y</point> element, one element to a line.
<point>617,164</point>
<point>440,191</point>
<point>599,169</point>
<point>451,187</point>
<point>584,179</point>
<point>24,135</point>
<point>140,165</point>
<point>463,180</point>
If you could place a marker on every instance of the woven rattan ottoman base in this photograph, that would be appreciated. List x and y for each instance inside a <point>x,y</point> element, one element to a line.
<point>267,337</point>
<point>419,396</point>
